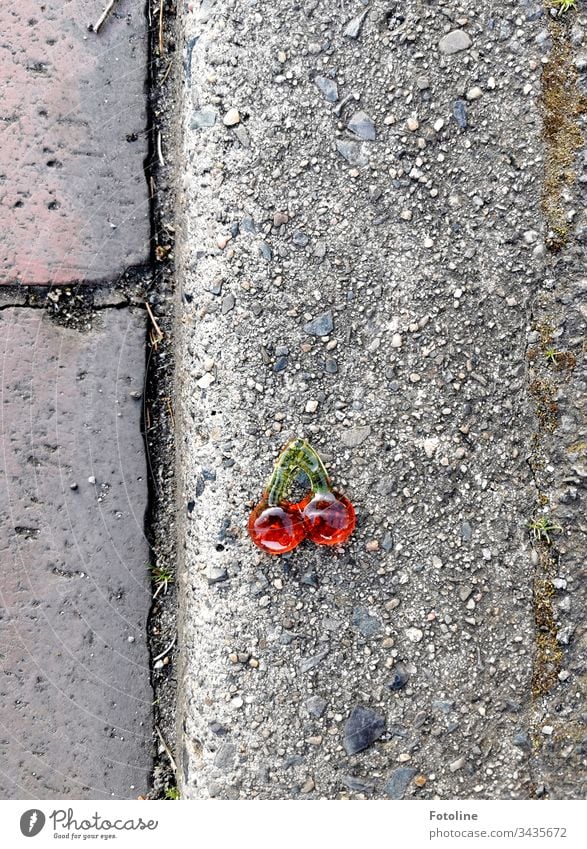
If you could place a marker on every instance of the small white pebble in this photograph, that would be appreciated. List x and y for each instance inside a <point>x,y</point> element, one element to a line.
<point>231,118</point>
<point>206,380</point>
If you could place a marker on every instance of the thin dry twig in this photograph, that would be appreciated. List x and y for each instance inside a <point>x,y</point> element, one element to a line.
<point>154,339</point>
<point>170,411</point>
<point>161,43</point>
<point>165,651</point>
<point>160,151</point>
<point>167,749</point>
<point>154,320</point>
<point>104,15</point>
<point>167,70</point>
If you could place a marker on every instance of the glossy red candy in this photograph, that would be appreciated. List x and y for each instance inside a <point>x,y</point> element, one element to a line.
<point>276,529</point>
<point>329,518</point>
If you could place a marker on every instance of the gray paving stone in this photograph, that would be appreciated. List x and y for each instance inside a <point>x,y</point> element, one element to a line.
<point>75,695</point>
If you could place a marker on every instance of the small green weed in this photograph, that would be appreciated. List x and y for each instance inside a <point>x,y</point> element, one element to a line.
<point>172,793</point>
<point>564,5</point>
<point>542,527</point>
<point>162,576</point>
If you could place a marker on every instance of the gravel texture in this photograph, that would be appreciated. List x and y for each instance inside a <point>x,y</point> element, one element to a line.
<point>363,262</point>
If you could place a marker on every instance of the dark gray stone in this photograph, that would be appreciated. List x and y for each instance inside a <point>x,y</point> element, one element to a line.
<point>322,325</point>
<point>280,364</point>
<point>361,125</point>
<point>247,225</point>
<point>228,302</point>
<point>316,706</point>
<point>399,677</point>
<point>353,28</point>
<point>217,728</point>
<point>300,239</point>
<point>265,251</point>
<point>364,622</point>
<point>361,729</point>
<point>387,543</point>
<point>459,110</point>
<point>225,758</point>
<point>398,781</point>
<point>522,740</point>
<point>310,579</point>
<point>311,662</point>
<point>292,760</point>
<point>443,706</point>
<point>354,152</point>
<point>328,88</point>
<point>357,785</point>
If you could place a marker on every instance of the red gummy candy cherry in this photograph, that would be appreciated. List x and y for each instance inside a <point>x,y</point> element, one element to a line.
<point>276,529</point>
<point>329,518</point>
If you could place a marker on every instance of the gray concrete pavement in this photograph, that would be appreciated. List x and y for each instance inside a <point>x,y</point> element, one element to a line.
<point>75,694</point>
<point>388,173</point>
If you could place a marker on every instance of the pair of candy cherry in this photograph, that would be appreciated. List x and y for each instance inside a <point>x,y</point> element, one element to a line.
<point>277,525</point>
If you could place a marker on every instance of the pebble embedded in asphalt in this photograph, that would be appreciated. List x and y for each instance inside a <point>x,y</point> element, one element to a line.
<point>454,42</point>
<point>363,727</point>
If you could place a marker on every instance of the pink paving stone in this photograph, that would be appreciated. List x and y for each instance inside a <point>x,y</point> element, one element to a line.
<point>74,201</point>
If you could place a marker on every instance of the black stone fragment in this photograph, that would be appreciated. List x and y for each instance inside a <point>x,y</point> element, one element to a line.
<point>398,781</point>
<point>399,677</point>
<point>361,729</point>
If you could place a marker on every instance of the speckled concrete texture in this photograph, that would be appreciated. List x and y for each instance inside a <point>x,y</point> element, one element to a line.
<point>362,251</point>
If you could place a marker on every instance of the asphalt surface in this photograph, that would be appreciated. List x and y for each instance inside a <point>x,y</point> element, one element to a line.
<point>388,172</point>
